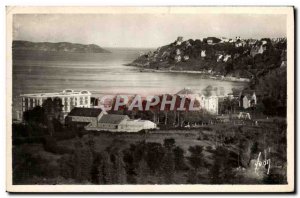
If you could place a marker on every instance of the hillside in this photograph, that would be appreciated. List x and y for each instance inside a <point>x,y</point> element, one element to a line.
<point>241,58</point>
<point>57,47</point>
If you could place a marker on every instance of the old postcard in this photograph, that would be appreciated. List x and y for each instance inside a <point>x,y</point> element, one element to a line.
<point>150,99</point>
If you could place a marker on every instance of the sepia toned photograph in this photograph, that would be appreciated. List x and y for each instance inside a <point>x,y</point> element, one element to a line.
<point>150,99</point>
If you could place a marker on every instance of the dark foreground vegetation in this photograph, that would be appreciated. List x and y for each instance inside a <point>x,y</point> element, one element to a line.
<point>212,154</point>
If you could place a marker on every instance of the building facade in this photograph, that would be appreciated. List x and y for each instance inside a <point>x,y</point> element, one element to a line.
<point>207,103</point>
<point>70,99</point>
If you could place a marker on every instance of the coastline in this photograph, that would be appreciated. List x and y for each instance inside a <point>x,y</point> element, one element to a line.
<point>203,73</point>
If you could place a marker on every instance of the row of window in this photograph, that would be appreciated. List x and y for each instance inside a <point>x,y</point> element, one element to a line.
<point>29,103</point>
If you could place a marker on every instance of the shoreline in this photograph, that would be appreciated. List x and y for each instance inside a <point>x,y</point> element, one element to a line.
<point>206,74</point>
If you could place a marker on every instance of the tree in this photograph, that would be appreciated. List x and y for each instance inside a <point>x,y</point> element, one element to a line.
<point>154,155</point>
<point>53,111</point>
<point>215,173</point>
<point>169,143</point>
<point>67,166</point>
<point>119,166</point>
<point>192,177</point>
<point>196,158</point>
<point>168,167</point>
<point>179,158</point>
<point>83,161</point>
<point>105,169</point>
<point>274,88</point>
<point>273,178</point>
<point>143,172</point>
<point>221,170</point>
<point>35,116</point>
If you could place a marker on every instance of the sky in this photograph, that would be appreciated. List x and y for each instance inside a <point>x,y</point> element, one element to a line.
<point>143,30</point>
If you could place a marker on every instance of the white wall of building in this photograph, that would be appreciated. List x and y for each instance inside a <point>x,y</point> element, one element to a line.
<point>70,99</point>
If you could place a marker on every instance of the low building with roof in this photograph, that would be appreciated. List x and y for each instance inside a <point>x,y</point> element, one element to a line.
<point>80,117</point>
<point>136,125</point>
<point>120,123</point>
<point>111,122</point>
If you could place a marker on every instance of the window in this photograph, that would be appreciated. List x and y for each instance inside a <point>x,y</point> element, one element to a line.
<point>66,105</point>
<point>72,102</point>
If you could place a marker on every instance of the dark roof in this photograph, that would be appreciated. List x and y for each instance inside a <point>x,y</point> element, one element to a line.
<point>113,118</point>
<point>85,112</point>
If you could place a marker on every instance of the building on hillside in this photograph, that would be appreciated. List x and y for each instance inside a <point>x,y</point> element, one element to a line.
<point>220,57</point>
<point>212,40</point>
<point>261,49</point>
<point>179,40</point>
<point>203,53</point>
<point>187,44</point>
<point>252,42</point>
<point>69,97</point>
<point>120,123</point>
<point>226,57</point>
<point>238,44</point>
<point>237,38</point>
<point>257,49</point>
<point>224,40</point>
<point>247,100</point>
<point>207,103</point>
<point>177,58</point>
<point>80,117</point>
<point>186,57</point>
<point>178,52</point>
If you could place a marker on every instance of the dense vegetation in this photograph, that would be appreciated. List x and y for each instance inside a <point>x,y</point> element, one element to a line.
<point>216,154</point>
<point>243,60</point>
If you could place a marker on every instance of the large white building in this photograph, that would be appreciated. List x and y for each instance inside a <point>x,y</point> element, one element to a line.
<point>207,103</point>
<point>70,99</point>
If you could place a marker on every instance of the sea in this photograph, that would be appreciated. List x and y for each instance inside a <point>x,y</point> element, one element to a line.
<point>99,73</point>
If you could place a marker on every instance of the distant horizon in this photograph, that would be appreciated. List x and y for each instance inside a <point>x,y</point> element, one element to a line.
<point>133,47</point>
<point>144,30</point>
